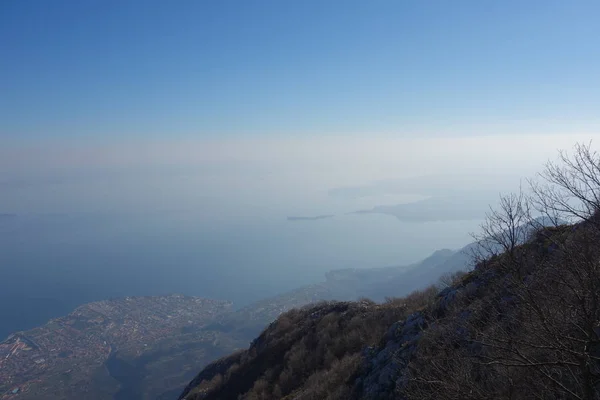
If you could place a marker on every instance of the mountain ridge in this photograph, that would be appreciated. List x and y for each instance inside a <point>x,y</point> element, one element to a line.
<point>416,328</point>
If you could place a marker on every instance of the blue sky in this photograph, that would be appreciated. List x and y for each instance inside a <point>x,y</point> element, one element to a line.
<point>204,69</point>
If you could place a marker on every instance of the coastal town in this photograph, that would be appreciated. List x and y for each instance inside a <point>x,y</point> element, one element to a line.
<point>65,356</point>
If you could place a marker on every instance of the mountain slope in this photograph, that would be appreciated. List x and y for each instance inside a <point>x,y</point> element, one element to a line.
<point>523,324</point>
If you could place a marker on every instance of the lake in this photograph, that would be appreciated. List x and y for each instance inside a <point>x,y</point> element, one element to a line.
<point>50,264</point>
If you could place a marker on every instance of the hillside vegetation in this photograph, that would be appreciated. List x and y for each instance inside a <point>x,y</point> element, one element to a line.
<point>523,323</point>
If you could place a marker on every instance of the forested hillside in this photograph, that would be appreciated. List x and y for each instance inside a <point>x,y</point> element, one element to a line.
<point>523,323</point>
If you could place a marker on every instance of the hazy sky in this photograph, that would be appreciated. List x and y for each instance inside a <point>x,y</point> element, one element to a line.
<point>92,69</point>
<point>233,99</point>
<point>275,175</point>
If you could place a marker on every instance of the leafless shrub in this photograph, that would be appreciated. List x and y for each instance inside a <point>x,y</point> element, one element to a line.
<point>450,279</point>
<point>534,333</point>
<point>570,188</point>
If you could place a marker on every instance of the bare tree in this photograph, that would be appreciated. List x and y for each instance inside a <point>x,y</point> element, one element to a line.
<point>534,330</point>
<point>570,188</point>
<point>449,279</point>
<point>504,229</point>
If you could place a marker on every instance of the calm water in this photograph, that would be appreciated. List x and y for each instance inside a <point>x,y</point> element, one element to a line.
<point>52,263</point>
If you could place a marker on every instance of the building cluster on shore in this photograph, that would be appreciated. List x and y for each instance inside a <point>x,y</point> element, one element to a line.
<point>67,350</point>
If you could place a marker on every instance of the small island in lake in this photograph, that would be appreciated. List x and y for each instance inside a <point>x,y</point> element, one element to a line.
<point>315,218</point>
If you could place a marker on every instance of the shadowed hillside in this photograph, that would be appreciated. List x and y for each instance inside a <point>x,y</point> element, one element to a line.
<point>523,323</point>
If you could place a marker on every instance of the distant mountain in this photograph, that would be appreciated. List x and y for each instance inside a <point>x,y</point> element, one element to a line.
<point>432,185</point>
<point>342,285</point>
<point>443,208</point>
